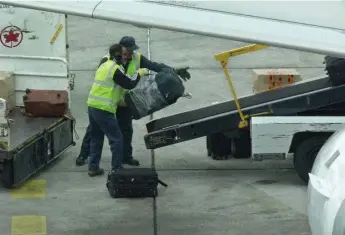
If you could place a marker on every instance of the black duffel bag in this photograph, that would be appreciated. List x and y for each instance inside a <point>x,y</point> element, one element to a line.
<point>335,68</point>
<point>133,182</point>
<point>154,93</point>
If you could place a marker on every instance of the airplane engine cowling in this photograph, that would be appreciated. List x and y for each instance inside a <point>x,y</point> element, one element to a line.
<point>326,188</point>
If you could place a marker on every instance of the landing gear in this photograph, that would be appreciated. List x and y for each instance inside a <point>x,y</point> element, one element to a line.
<point>221,147</point>
<point>218,146</point>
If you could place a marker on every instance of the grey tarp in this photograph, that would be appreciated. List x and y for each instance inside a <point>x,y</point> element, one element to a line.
<point>154,93</point>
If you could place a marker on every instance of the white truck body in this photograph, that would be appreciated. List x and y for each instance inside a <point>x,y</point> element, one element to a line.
<point>35,60</point>
<point>36,63</point>
<point>272,136</point>
<point>33,48</point>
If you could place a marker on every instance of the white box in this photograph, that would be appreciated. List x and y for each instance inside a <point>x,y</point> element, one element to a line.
<point>7,89</point>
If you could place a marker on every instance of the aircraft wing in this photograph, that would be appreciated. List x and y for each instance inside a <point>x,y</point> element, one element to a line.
<point>207,21</point>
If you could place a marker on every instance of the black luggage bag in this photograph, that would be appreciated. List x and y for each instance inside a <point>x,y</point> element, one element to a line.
<point>154,93</point>
<point>133,182</point>
<point>335,68</point>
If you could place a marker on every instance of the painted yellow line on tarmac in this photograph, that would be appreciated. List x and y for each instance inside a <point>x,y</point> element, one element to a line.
<point>30,189</point>
<point>28,225</point>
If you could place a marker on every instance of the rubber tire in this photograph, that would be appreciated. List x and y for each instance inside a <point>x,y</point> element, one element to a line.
<point>218,146</point>
<point>305,155</point>
<point>242,147</point>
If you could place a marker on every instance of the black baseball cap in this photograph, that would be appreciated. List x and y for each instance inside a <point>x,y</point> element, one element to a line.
<point>129,43</point>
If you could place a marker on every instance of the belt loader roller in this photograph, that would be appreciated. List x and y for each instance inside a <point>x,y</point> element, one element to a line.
<point>229,132</point>
<point>312,97</point>
<point>305,98</point>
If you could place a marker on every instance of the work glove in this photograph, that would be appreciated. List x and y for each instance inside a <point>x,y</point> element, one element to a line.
<point>143,72</point>
<point>122,102</point>
<point>183,73</point>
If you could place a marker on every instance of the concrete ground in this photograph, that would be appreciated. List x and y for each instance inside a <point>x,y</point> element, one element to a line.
<point>204,196</point>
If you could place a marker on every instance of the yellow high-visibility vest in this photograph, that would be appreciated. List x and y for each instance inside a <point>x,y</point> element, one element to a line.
<point>133,66</point>
<point>104,93</point>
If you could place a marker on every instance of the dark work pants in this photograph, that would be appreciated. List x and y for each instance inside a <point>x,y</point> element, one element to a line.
<point>85,145</point>
<point>104,123</point>
<point>124,120</point>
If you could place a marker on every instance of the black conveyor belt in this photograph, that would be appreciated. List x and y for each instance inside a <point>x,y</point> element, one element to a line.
<point>293,100</point>
<point>228,106</point>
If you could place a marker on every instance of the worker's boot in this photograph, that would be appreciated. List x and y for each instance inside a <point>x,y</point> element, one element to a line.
<point>81,160</point>
<point>131,161</point>
<point>97,172</point>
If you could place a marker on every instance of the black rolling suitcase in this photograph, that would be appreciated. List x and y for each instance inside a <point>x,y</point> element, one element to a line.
<point>133,182</point>
<point>154,93</point>
<point>335,68</point>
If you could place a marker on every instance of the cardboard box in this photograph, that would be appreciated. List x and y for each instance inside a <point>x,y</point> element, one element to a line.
<point>268,79</point>
<point>7,89</point>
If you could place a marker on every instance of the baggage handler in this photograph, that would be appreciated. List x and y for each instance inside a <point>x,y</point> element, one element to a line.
<point>131,60</point>
<point>105,94</point>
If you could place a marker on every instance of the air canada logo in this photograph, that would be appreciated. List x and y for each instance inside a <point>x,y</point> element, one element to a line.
<point>11,36</point>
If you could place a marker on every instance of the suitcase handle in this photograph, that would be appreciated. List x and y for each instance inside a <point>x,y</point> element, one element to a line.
<point>28,91</point>
<point>162,183</point>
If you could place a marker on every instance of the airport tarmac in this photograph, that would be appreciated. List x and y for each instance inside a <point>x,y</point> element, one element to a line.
<point>204,196</point>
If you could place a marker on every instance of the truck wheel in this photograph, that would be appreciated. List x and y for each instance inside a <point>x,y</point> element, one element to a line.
<point>218,146</point>
<point>305,155</point>
<point>242,145</point>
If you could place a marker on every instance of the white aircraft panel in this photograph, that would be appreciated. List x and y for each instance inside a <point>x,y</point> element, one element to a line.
<point>203,22</point>
<point>79,8</point>
<point>329,14</point>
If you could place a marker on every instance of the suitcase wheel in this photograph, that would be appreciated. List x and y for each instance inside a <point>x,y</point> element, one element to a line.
<point>111,190</point>
<point>113,193</point>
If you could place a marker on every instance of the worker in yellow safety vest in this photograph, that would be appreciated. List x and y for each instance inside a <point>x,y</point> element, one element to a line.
<point>131,62</point>
<point>104,97</point>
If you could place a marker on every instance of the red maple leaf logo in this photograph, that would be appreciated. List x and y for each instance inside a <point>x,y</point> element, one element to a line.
<point>11,37</point>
